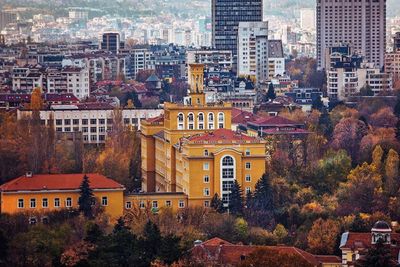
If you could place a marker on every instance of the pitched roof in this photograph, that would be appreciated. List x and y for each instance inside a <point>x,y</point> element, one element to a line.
<point>221,135</point>
<point>153,78</point>
<point>241,116</point>
<point>275,121</point>
<point>39,182</point>
<point>220,251</point>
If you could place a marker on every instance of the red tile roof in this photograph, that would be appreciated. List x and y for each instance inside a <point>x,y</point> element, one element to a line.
<point>158,119</point>
<point>242,117</point>
<point>279,131</point>
<point>40,182</point>
<point>224,135</point>
<point>275,121</point>
<point>219,251</point>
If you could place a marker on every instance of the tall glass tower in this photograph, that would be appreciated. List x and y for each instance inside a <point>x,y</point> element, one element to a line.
<point>226,15</point>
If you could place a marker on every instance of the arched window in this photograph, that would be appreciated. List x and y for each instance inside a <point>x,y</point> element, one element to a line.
<point>200,121</point>
<point>181,122</point>
<point>228,176</point>
<point>221,120</point>
<point>210,120</point>
<point>191,121</point>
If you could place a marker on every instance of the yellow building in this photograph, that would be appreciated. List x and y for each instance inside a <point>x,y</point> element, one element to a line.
<point>49,192</point>
<point>191,150</point>
<point>155,202</point>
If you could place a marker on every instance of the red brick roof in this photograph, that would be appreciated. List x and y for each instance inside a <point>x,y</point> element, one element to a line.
<point>216,241</point>
<point>157,119</point>
<point>223,135</point>
<point>40,182</point>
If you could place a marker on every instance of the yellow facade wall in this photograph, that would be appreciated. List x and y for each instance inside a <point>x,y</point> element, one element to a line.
<point>177,201</point>
<point>9,201</point>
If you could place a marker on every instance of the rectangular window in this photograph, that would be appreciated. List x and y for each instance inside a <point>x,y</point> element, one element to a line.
<point>33,203</point>
<point>75,121</point>
<point>104,201</point>
<point>57,202</point>
<point>68,202</point>
<point>248,190</point>
<point>206,192</point>
<point>206,166</point>
<point>248,178</point>
<point>141,204</point>
<point>85,129</point>
<point>247,152</point>
<point>84,121</point>
<point>102,121</point>
<point>248,165</point>
<point>93,121</point>
<point>93,129</point>
<point>155,205</point>
<point>206,178</point>
<point>93,138</point>
<point>45,203</point>
<point>168,203</point>
<point>67,121</point>
<point>128,205</point>
<point>127,120</point>
<point>206,152</point>
<point>206,203</point>
<point>20,203</point>
<point>58,122</point>
<point>181,203</point>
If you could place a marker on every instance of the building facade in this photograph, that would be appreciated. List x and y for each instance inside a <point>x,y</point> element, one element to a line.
<point>252,51</point>
<point>110,41</point>
<point>362,24</point>
<point>93,122</point>
<point>192,150</point>
<point>226,16</point>
<point>40,193</point>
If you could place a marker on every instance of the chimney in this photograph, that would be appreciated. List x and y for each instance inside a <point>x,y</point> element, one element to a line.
<point>29,174</point>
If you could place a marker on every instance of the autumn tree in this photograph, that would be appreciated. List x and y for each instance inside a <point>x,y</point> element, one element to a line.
<point>348,134</point>
<point>322,236</point>
<point>361,190</point>
<point>383,118</point>
<point>36,99</point>
<point>377,157</point>
<point>391,184</point>
<point>120,158</point>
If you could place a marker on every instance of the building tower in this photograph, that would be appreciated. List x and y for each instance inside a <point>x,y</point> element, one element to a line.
<point>381,230</point>
<point>362,24</point>
<point>226,16</point>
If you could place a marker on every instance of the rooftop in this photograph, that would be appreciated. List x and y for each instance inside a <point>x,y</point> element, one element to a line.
<point>44,182</point>
<point>222,136</point>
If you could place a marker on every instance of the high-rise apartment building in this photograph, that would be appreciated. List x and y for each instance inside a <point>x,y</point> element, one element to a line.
<point>360,23</point>
<point>6,17</point>
<point>110,41</point>
<point>253,50</point>
<point>226,15</point>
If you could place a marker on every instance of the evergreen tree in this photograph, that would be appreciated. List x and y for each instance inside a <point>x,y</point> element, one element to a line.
<point>249,200</point>
<point>150,243</point>
<point>318,104</point>
<point>325,123</point>
<point>86,198</point>
<point>93,233</point>
<point>366,91</point>
<point>170,250</point>
<point>378,256</point>
<point>236,199</point>
<point>217,204</point>
<point>263,198</point>
<point>396,110</point>
<point>271,95</point>
<point>3,248</point>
